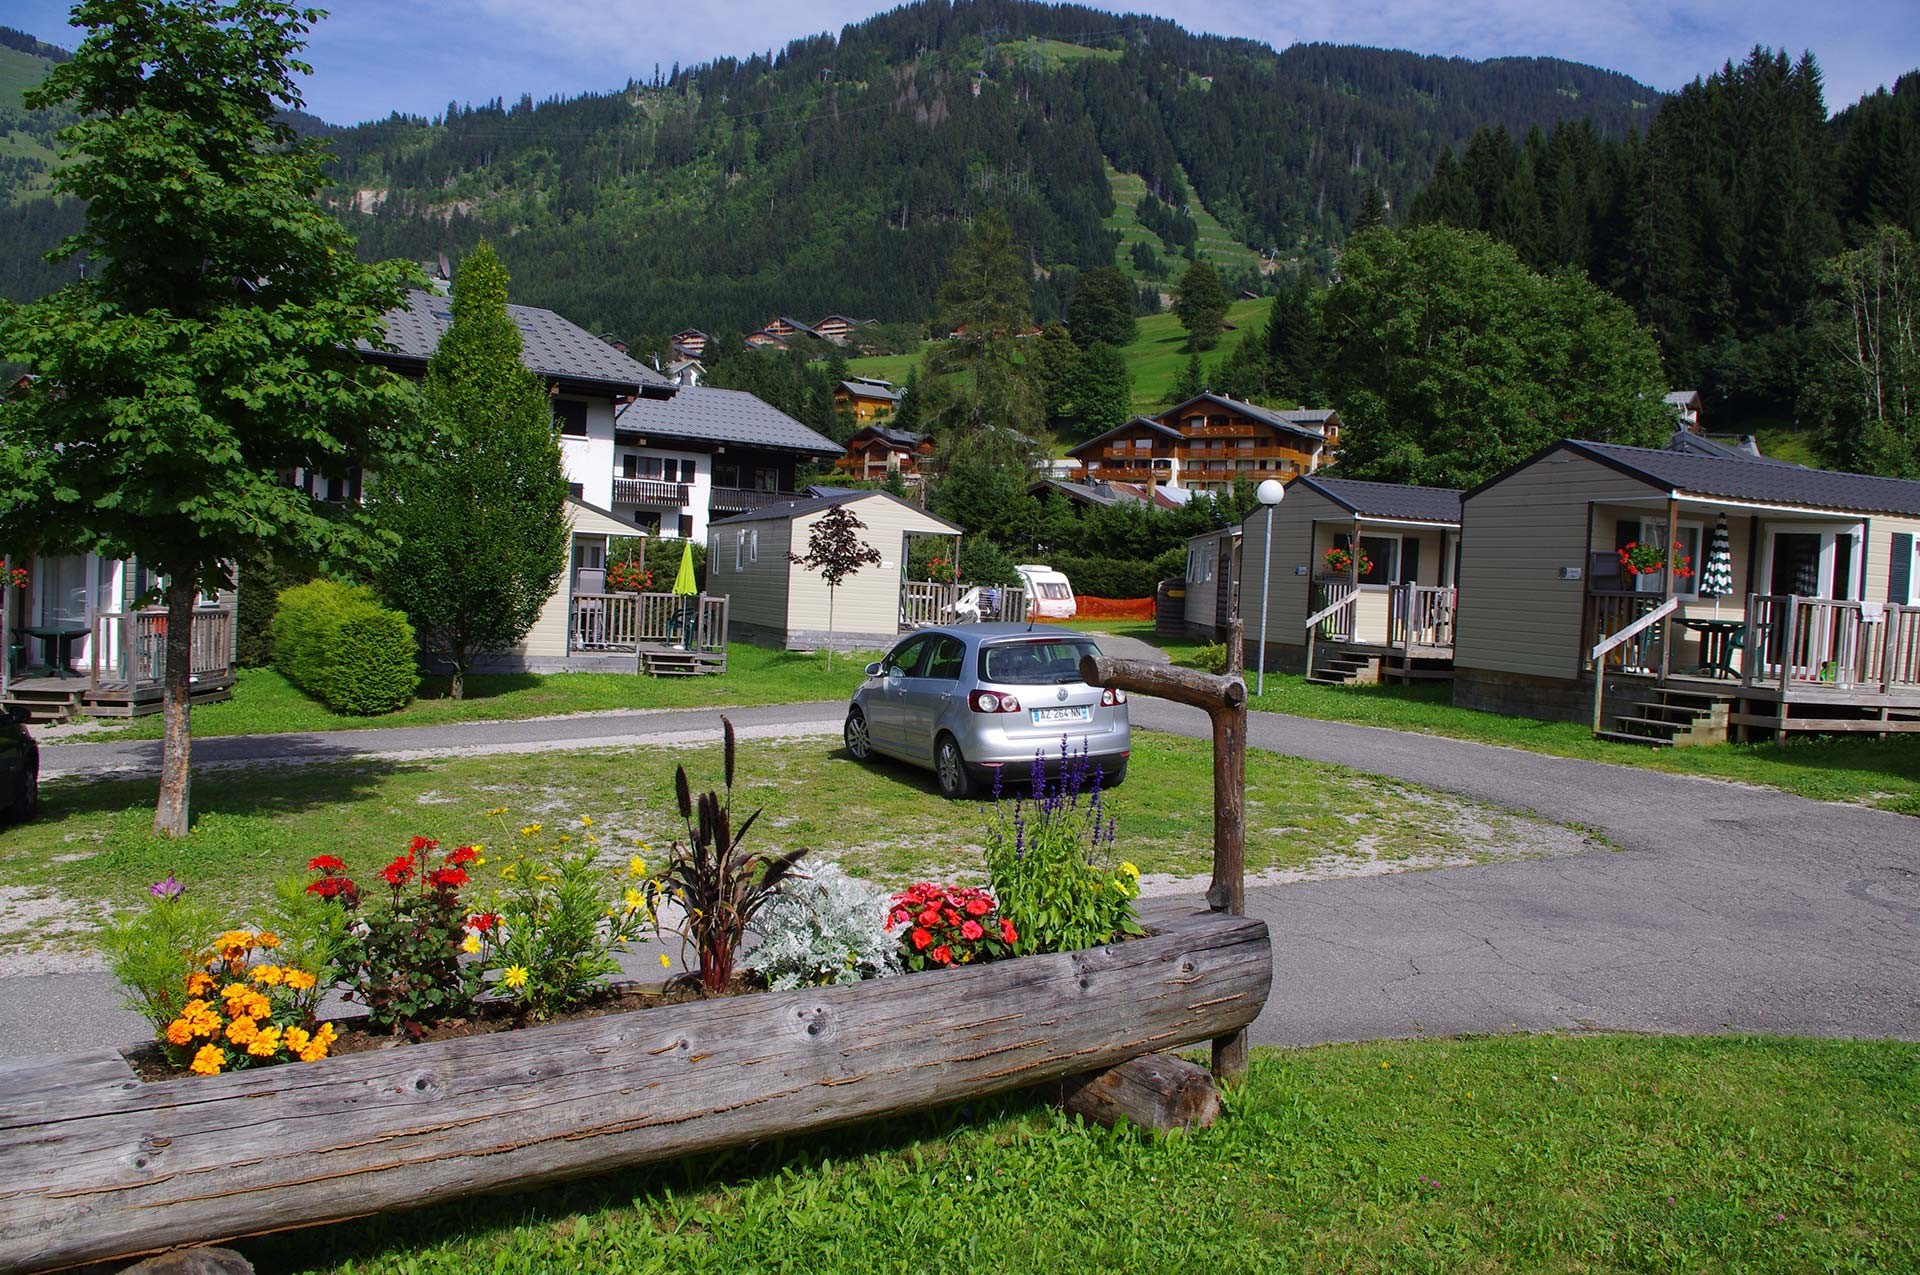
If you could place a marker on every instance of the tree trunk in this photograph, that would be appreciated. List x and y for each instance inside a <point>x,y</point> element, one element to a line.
<point>170,813</point>
<point>831,590</point>
<point>457,683</point>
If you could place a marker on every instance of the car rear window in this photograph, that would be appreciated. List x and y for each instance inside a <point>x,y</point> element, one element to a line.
<point>1035,661</point>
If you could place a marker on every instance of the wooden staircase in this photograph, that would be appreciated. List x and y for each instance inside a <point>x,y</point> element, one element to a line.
<point>1672,717</point>
<point>668,661</point>
<point>1344,666</point>
<point>48,699</point>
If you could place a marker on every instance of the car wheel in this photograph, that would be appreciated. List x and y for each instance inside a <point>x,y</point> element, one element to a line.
<point>950,768</point>
<point>859,743</point>
<point>26,794</point>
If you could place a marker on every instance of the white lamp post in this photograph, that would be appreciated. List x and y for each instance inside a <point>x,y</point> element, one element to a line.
<point>1269,493</point>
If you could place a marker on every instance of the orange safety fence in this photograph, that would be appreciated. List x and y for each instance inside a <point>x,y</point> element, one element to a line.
<point>1092,608</point>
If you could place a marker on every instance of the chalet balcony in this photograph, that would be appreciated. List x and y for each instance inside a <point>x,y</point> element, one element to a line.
<point>741,499</point>
<point>1219,431</point>
<point>651,491</point>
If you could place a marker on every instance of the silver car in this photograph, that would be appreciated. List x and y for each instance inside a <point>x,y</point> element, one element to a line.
<point>976,701</point>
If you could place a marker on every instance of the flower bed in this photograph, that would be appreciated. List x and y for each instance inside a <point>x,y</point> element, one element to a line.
<point>100,1166</point>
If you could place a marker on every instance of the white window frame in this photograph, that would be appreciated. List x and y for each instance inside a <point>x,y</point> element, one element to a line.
<point>739,542</point>
<point>753,545</point>
<point>1653,531</point>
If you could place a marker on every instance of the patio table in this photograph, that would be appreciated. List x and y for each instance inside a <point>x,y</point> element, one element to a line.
<point>1719,639</point>
<point>56,643</point>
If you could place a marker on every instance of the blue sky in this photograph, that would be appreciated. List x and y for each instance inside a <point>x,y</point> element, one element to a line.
<point>372,57</point>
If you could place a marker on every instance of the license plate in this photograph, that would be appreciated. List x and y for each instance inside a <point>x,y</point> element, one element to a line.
<point>1075,713</point>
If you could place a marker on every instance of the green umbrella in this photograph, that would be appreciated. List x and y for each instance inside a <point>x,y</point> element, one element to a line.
<point>684,587</point>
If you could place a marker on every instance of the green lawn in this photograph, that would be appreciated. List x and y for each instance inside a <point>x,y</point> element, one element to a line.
<point>93,849</point>
<point>1159,353</point>
<point>1548,1155</point>
<point>266,703</point>
<point>1215,243</point>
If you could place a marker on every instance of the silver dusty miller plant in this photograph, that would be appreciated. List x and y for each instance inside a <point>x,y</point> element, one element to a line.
<point>823,928</point>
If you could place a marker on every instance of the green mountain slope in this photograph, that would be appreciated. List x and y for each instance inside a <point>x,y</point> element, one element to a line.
<point>838,174</point>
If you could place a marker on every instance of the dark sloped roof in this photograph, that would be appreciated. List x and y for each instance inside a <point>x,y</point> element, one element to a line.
<point>869,389</point>
<point>1687,441</point>
<point>1761,480</point>
<point>898,437</point>
<point>799,507</point>
<point>1136,423</point>
<point>1388,500</point>
<point>722,416</point>
<point>1106,493</point>
<point>1309,422</point>
<point>550,345</point>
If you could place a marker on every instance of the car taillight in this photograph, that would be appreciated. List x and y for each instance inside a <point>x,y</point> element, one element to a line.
<point>1111,696</point>
<point>992,702</point>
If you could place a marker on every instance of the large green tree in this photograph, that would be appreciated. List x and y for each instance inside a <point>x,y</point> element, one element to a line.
<point>210,349</point>
<point>1453,360</point>
<point>480,528</point>
<point>1102,308</point>
<point>1201,304</point>
<point>981,395</point>
<point>1870,349</point>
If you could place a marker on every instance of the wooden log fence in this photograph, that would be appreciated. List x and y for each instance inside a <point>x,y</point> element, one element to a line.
<point>98,1166</point>
<point>1225,701</point>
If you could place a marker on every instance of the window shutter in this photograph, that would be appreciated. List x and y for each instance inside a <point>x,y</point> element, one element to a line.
<point>1900,570</point>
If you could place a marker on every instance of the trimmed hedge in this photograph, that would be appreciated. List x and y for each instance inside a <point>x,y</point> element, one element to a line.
<point>338,644</point>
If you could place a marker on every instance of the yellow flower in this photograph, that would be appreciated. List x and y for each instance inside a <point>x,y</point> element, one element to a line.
<point>242,1030</point>
<point>179,1032</point>
<point>269,975</point>
<point>314,1051</point>
<point>300,980</point>
<point>470,944</point>
<point>266,1044</point>
<point>586,821</point>
<point>636,866</point>
<point>326,1035</point>
<point>1130,870</point>
<point>529,830</point>
<point>297,1039</point>
<point>509,872</point>
<point>666,962</point>
<point>634,900</point>
<point>497,810</point>
<point>267,939</point>
<point>209,1060</point>
<point>257,1006</point>
<point>234,991</point>
<point>241,939</point>
<point>514,976</point>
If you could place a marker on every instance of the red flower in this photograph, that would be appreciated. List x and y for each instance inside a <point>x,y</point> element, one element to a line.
<point>422,843</point>
<point>465,854</point>
<point>898,917</point>
<point>953,918</point>
<point>325,863</point>
<point>336,888</point>
<point>1006,930</point>
<point>447,878</point>
<point>942,954</point>
<point>399,872</point>
<point>971,931</point>
<point>920,940</point>
<point>978,906</point>
<point>929,917</point>
<point>483,922</point>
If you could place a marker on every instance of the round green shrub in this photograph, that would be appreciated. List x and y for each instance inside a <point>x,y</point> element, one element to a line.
<point>338,644</point>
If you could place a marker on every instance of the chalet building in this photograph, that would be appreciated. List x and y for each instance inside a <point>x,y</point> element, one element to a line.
<point>868,398</point>
<point>877,451</point>
<point>1209,441</point>
<point>686,372</point>
<point>838,328</point>
<point>691,343</point>
<point>1686,405</point>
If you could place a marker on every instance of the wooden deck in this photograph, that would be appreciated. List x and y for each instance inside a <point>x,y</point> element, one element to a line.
<point>659,634</point>
<point>126,665</point>
<point>1798,665</point>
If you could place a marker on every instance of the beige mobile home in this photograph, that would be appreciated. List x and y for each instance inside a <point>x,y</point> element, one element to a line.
<point>1212,583</point>
<point>1346,616</point>
<point>775,601</point>
<point>1721,593</point>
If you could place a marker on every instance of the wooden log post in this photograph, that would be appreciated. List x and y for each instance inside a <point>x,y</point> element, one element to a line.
<point>1225,701</point>
<point>1156,1091</point>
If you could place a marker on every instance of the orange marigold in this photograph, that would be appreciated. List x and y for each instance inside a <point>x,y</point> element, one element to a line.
<point>269,975</point>
<point>299,980</point>
<point>199,983</point>
<point>242,1030</point>
<point>209,1060</point>
<point>179,1032</point>
<point>266,1044</point>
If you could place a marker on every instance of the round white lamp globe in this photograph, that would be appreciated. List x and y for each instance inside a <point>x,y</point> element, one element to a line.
<point>1270,491</point>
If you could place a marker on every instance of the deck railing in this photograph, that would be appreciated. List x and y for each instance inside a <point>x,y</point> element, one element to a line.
<point>129,648</point>
<point>1333,618</point>
<point>651,491</point>
<point>1818,642</point>
<point>1607,613</point>
<point>924,603</point>
<point>1420,615</point>
<point>615,622</point>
